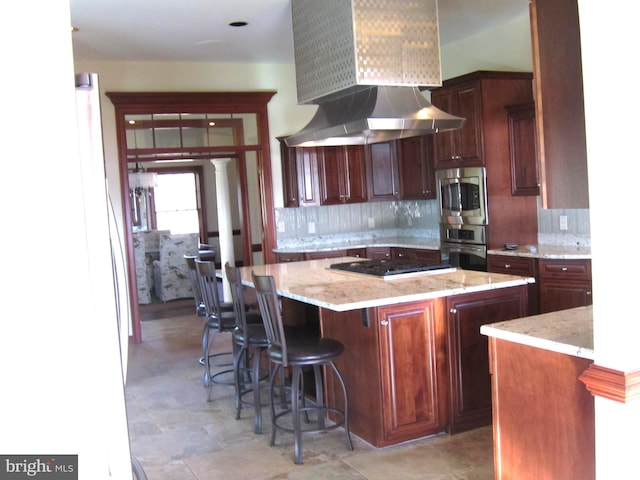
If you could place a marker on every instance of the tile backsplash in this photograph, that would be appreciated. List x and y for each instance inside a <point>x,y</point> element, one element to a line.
<point>360,221</point>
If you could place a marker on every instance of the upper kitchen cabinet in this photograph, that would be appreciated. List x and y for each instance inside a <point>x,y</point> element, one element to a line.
<point>415,163</point>
<point>289,175</point>
<point>300,179</point>
<point>462,147</point>
<point>342,175</point>
<point>476,97</point>
<point>382,172</point>
<point>525,178</point>
<point>557,63</point>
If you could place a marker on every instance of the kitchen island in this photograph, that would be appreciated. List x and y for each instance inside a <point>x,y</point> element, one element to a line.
<point>536,364</point>
<point>415,363</point>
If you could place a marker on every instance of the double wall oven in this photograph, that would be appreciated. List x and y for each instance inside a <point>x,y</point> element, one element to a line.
<point>462,198</point>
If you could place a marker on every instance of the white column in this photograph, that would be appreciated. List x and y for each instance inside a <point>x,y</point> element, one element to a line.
<point>225,228</point>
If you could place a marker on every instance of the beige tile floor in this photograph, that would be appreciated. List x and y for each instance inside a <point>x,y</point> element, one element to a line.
<point>177,435</point>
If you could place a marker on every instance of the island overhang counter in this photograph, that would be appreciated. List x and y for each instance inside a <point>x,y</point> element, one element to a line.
<point>415,363</point>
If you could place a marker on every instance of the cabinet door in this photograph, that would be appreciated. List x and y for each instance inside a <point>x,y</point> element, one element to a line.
<point>323,255</point>
<point>382,172</point>
<point>415,163</point>
<point>525,178</point>
<point>378,253</point>
<point>355,180</point>
<point>525,267</point>
<point>445,149</point>
<point>412,398</point>
<point>332,176</point>
<point>289,257</point>
<point>308,181</point>
<point>357,252</point>
<point>289,175</point>
<point>560,295</point>
<point>462,147</point>
<point>469,377</point>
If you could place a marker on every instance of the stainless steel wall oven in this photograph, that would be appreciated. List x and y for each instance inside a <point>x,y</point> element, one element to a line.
<point>462,197</point>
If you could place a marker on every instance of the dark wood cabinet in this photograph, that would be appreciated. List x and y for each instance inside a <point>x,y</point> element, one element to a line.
<point>289,257</point>
<point>342,175</point>
<point>357,252</point>
<point>416,368</point>
<point>416,169</point>
<point>525,177</point>
<point>462,147</point>
<point>289,175</point>
<point>412,390</point>
<point>523,266</point>
<point>559,100</point>
<point>383,182</point>
<point>377,253</point>
<point>469,379</point>
<point>418,254</point>
<point>482,97</point>
<point>564,284</point>
<point>325,254</point>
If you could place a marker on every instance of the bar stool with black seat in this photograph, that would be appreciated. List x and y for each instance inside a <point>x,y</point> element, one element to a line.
<point>298,352</point>
<point>218,320</point>
<point>250,341</point>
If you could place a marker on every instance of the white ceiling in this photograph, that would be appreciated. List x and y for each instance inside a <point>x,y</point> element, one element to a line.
<point>199,31</point>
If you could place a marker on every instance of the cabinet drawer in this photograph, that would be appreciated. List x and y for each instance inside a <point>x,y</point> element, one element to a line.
<point>326,254</point>
<point>512,265</point>
<point>566,269</point>
<point>289,257</point>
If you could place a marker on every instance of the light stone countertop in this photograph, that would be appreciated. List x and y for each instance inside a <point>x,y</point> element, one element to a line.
<point>561,252</point>
<point>566,331</point>
<point>314,283</point>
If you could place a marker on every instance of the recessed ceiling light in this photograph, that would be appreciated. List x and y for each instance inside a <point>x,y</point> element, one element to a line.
<point>238,23</point>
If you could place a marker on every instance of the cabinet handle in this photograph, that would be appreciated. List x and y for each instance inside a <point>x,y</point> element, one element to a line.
<point>506,265</point>
<point>453,310</point>
<point>564,269</point>
<point>588,293</point>
<point>384,323</point>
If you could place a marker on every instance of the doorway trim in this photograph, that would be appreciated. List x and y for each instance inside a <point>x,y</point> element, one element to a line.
<point>139,103</point>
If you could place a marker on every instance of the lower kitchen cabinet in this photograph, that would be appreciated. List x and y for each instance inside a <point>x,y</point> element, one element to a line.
<point>378,253</point>
<point>469,379</point>
<point>523,266</point>
<point>543,420</point>
<point>289,257</point>
<point>418,368</point>
<point>564,284</point>
<point>421,255</point>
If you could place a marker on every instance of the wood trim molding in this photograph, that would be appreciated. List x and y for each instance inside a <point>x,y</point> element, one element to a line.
<point>612,384</point>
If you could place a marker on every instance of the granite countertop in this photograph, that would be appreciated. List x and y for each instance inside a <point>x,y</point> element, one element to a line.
<point>313,282</point>
<point>566,331</point>
<point>406,242</point>
<point>561,252</point>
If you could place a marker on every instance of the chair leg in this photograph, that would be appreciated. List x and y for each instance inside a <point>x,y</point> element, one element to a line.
<point>238,369</point>
<point>346,406</point>
<point>206,344</point>
<point>296,380</point>
<point>272,403</point>
<point>255,382</point>
<point>317,373</point>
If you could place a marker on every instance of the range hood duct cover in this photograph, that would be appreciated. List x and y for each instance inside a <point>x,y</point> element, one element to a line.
<point>362,62</point>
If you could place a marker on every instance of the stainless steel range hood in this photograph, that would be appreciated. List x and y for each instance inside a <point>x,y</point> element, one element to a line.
<point>362,62</point>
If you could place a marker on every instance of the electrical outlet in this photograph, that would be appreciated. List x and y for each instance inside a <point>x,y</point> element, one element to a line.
<point>312,227</point>
<point>372,222</point>
<point>563,222</point>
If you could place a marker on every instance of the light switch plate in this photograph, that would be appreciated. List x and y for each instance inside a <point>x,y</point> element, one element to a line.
<point>312,227</point>
<point>563,222</point>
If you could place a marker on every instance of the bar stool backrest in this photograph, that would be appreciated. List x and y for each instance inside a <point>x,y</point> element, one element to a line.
<point>269,304</point>
<point>209,288</point>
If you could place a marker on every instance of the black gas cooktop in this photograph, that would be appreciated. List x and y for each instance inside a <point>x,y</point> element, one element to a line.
<point>388,268</point>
